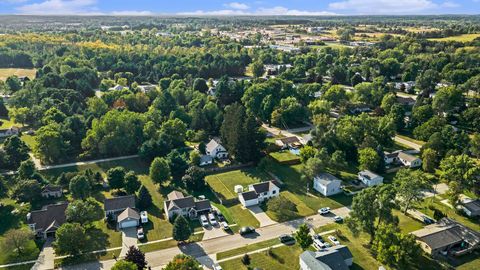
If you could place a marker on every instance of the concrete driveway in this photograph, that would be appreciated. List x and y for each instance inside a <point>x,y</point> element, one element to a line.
<point>46,257</point>
<point>129,238</point>
<point>261,216</point>
<point>213,232</point>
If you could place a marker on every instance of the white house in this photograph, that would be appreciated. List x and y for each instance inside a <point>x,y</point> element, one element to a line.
<point>216,150</point>
<point>205,160</point>
<point>118,87</point>
<point>128,218</point>
<point>145,88</point>
<point>327,184</point>
<point>402,158</point>
<point>9,132</point>
<point>51,191</point>
<point>258,193</point>
<point>178,204</point>
<point>370,178</point>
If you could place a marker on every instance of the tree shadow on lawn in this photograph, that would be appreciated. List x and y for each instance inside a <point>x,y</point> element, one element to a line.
<point>9,220</point>
<point>97,239</point>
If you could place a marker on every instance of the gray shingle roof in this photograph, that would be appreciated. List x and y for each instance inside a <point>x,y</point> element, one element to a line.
<point>326,178</point>
<point>202,205</point>
<point>52,215</point>
<point>128,213</point>
<point>121,202</point>
<point>332,258</point>
<point>264,186</point>
<point>368,174</point>
<point>249,195</point>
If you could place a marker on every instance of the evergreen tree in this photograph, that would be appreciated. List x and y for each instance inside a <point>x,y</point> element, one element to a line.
<point>303,236</point>
<point>136,256</point>
<point>144,198</point>
<point>181,229</point>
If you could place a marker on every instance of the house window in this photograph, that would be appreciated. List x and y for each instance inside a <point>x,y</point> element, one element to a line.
<point>265,193</point>
<point>274,192</point>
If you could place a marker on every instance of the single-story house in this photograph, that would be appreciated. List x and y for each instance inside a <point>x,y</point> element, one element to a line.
<point>205,160</point>
<point>327,184</point>
<point>116,205</point>
<point>447,237</point>
<point>145,88</point>
<point>9,132</point>
<point>406,101</point>
<point>403,158</point>
<point>177,204</point>
<point>408,85</point>
<point>45,222</point>
<point>52,191</point>
<point>118,87</point>
<point>258,193</point>
<point>287,142</point>
<point>334,258</point>
<point>370,178</point>
<point>471,208</point>
<point>215,149</point>
<point>128,218</point>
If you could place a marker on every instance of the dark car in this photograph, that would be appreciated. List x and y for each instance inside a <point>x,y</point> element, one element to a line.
<point>286,238</point>
<point>317,237</point>
<point>427,220</point>
<point>247,230</point>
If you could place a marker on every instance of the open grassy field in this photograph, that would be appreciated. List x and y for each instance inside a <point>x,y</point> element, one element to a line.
<point>7,72</point>
<point>284,156</point>
<point>224,183</point>
<point>236,214</point>
<point>460,38</point>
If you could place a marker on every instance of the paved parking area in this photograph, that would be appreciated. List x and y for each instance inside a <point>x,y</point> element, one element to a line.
<point>129,238</point>
<point>213,232</point>
<point>261,216</point>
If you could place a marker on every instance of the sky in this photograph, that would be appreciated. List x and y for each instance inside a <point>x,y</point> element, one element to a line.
<point>246,7</point>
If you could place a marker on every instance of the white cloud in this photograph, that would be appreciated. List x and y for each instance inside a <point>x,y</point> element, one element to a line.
<point>450,4</point>
<point>259,12</point>
<point>60,7</point>
<point>384,6</point>
<point>237,5</point>
<point>131,13</point>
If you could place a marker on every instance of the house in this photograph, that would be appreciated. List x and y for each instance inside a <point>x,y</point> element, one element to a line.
<point>51,191</point>
<point>258,193</point>
<point>359,109</point>
<point>407,86</point>
<point>177,204</point>
<point>447,237</point>
<point>406,101</point>
<point>145,88</point>
<point>403,158</point>
<point>334,258</point>
<point>215,149</point>
<point>45,222</point>
<point>114,206</point>
<point>206,160</point>
<point>128,218</point>
<point>118,87</point>
<point>471,207</point>
<point>9,132</point>
<point>327,184</point>
<point>370,178</point>
<point>288,142</point>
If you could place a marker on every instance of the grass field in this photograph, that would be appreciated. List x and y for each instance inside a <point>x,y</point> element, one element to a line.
<point>7,72</point>
<point>238,215</point>
<point>247,248</point>
<point>6,123</point>
<point>224,183</point>
<point>284,156</point>
<point>460,38</point>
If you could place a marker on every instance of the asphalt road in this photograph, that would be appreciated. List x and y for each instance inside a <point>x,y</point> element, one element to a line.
<point>205,251</point>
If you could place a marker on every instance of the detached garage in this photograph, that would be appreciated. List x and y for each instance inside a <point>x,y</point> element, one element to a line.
<point>128,218</point>
<point>249,198</point>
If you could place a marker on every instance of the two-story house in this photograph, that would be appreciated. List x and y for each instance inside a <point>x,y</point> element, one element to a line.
<point>258,193</point>
<point>215,149</point>
<point>327,184</point>
<point>177,204</point>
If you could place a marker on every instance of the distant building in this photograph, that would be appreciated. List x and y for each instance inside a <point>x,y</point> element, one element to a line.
<point>52,191</point>
<point>118,88</point>
<point>403,158</point>
<point>9,132</point>
<point>45,222</point>
<point>370,178</point>
<point>406,101</point>
<point>177,204</point>
<point>216,150</point>
<point>447,237</point>
<point>145,88</point>
<point>327,184</point>
<point>258,193</point>
<point>333,258</point>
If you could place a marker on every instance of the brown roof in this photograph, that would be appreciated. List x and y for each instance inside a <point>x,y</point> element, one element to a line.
<point>289,140</point>
<point>119,203</point>
<point>50,216</point>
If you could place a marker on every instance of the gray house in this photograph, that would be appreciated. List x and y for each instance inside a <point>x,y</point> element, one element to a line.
<point>45,222</point>
<point>334,258</point>
<point>116,205</point>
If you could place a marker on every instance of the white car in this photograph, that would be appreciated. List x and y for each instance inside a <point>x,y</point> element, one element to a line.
<point>212,219</point>
<point>140,234</point>
<point>204,220</point>
<point>225,226</point>
<point>144,217</point>
<point>324,210</point>
<point>338,219</point>
<point>334,240</point>
<point>318,244</point>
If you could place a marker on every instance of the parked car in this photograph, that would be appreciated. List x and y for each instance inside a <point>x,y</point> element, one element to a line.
<point>140,234</point>
<point>212,219</point>
<point>318,244</point>
<point>334,240</point>
<point>427,220</point>
<point>338,219</point>
<point>246,230</point>
<point>286,238</point>
<point>324,210</point>
<point>204,220</point>
<point>317,237</point>
<point>217,266</point>
<point>225,226</point>
<point>144,217</point>
<point>220,216</point>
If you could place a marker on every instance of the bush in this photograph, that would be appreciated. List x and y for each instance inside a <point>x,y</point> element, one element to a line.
<point>246,259</point>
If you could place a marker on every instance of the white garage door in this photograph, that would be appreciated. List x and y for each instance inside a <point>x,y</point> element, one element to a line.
<point>128,224</point>
<point>251,202</point>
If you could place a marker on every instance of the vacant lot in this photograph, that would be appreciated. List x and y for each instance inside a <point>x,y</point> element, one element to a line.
<point>223,183</point>
<point>7,72</point>
<point>460,38</point>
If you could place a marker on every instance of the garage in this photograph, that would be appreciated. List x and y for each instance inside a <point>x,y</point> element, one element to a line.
<point>128,218</point>
<point>249,198</point>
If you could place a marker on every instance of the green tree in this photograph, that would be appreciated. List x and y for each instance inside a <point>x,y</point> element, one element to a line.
<point>388,101</point>
<point>144,198</point>
<point>336,94</point>
<point>447,98</point>
<point>369,159</point>
<point>26,191</point>
<point>175,130</point>
<point>16,151</point>
<point>257,69</point>
<point>17,240</point>
<point>159,170</point>
<point>461,170</point>
<point>307,152</point>
<point>50,145</point>
<point>19,115</point>
<point>181,229</point>
<point>13,84</point>
<point>409,185</point>
<point>80,187</point>
<point>303,237</point>
<point>116,177</point>
<point>131,182</point>
<point>429,160</point>
<point>124,265</point>
<point>26,169</point>
<point>84,211</point>
<point>182,261</point>
<point>475,145</point>
<point>96,107</point>
<point>136,256</point>
<point>200,85</point>
<point>338,160</point>
<point>71,239</point>
<point>194,178</point>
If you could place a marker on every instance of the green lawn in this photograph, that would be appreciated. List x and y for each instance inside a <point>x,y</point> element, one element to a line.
<point>247,248</point>
<point>459,38</point>
<point>29,140</point>
<point>237,215</point>
<point>285,257</point>
<point>284,156</point>
<point>6,123</point>
<point>7,72</point>
<point>223,183</point>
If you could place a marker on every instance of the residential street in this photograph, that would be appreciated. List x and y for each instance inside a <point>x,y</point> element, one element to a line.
<point>208,248</point>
